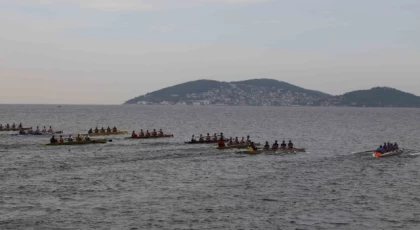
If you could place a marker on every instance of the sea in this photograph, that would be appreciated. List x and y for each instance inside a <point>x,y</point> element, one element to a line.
<point>166,184</point>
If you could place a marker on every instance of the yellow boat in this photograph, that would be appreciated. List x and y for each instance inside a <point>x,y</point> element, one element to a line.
<point>121,132</point>
<point>84,142</point>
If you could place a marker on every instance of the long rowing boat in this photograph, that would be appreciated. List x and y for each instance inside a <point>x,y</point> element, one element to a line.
<point>120,132</point>
<point>15,129</point>
<point>38,133</point>
<point>200,142</point>
<point>152,137</point>
<point>243,146</point>
<point>388,154</point>
<point>273,151</point>
<point>95,141</point>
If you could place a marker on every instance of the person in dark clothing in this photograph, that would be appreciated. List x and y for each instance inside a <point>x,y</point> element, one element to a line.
<point>275,146</point>
<point>290,145</point>
<point>283,145</point>
<point>266,146</point>
<point>53,140</point>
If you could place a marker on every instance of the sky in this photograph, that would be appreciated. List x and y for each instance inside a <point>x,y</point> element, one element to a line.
<point>109,51</point>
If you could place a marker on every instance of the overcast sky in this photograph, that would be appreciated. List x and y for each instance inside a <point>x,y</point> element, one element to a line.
<point>108,51</point>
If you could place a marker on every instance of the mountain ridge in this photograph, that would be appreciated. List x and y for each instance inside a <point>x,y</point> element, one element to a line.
<point>270,92</point>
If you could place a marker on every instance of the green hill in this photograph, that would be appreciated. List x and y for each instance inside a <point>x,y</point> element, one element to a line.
<point>249,92</point>
<point>271,92</point>
<point>380,97</point>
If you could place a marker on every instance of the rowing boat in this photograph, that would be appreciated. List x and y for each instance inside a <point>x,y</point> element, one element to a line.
<point>200,142</point>
<point>273,151</point>
<point>38,133</point>
<point>392,153</point>
<point>152,137</point>
<point>235,146</point>
<point>15,129</point>
<point>95,141</point>
<point>108,133</point>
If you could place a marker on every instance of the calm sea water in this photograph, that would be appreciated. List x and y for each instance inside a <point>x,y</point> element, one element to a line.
<point>164,184</point>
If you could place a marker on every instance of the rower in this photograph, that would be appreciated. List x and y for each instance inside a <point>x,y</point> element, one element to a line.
<point>79,137</point>
<point>21,132</point>
<point>147,133</point>
<point>37,129</point>
<point>87,138</point>
<point>252,145</point>
<point>70,139</point>
<point>283,145</point>
<point>248,140</point>
<point>221,137</point>
<point>114,129</point>
<point>141,134</point>
<point>236,141</point>
<point>108,129</point>
<point>380,149</point>
<point>53,140</point>
<point>50,130</point>
<point>160,134</point>
<point>96,130</point>
<point>214,137</point>
<point>20,126</point>
<point>385,147</point>
<point>61,139</point>
<point>154,133</point>
<point>102,130</point>
<point>221,142</point>
<point>396,146</point>
<point>90,131</point>
<point>275,145</point>
<point>201,139</point>
<point>13,126</point>
<point>193,139</point>
<point>266,146</point>
<point>290,145</point>
<point>133,134</point>
<point>230,141</point>
<point>44,130</point>
<point>1,126</point>
<point>208,138</point>
<point>7,126</point>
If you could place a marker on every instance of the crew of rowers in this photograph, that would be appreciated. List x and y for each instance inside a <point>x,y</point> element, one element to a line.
<point>154,133</point>
<point>13,126</point>
<point>102,130</point>
<point>61,139</point>
<point>207,138</point>
<point>231,141</point>
<point>387,147</point>
<point>276,146</point>
<point>37,130</point>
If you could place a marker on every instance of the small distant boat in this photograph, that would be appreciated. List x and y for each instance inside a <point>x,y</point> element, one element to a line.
<point>84,142</point>
<point>152,137</point>
<point>275,151</point>
<point>388,154</point>
<point>200,142</point>
<point>120,132</point>
<point>14,129</point>
<point>37,133</point>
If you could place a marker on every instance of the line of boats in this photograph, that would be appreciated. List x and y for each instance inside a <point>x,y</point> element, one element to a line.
<point>222,143</point>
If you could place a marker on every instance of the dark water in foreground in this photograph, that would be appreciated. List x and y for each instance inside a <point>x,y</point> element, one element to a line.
<point>164,184</point>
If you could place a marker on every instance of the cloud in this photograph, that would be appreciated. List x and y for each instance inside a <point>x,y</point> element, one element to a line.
<point>133,5</point>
